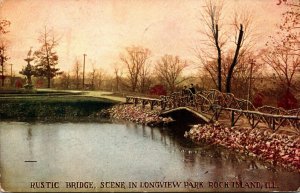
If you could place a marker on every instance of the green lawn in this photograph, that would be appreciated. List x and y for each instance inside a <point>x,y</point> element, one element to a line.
<point>51,106</point>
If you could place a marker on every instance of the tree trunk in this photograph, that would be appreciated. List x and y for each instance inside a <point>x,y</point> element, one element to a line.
<point>2,73</point>
<point>48,60</point>
<point>117,84</point>
<point>77,82</point>
<point>234,62</point>
<point>219,71</point>
<point>219,59</point>
<point>48,82</point>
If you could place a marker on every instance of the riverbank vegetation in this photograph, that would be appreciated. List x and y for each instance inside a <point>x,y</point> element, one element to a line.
<point>277,149</point>
<point>138,115</point>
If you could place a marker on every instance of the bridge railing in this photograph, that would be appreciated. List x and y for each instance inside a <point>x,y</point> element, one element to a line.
<point>214,102</point>
<point>272,116</point>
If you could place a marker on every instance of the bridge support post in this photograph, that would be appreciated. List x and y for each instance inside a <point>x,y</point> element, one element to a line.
<point>273,124</point>
<point>143,103</point>
<point>217,112</point>
<point>151,105</point>
<point>163,105</point>
<point>135,101</point>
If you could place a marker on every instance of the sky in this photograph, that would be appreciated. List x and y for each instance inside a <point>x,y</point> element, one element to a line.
<point>102,29</point>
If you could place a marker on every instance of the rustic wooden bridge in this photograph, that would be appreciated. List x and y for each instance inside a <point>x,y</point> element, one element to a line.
<point>210,104</point>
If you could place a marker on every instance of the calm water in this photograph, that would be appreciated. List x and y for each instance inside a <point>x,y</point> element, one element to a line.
<point>120,152</point>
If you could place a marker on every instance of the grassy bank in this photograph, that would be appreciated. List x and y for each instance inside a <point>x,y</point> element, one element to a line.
<point>45,107</point>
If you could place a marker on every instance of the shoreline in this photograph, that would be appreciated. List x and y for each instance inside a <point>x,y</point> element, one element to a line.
<point>138,115</point>
<point>277,149</point>
<point>52,108</point>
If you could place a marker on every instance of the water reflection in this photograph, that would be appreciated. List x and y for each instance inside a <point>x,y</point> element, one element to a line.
<point>218,163</point>
<point>29,136</point>
<point>119,152</point>
<point>189,159</point>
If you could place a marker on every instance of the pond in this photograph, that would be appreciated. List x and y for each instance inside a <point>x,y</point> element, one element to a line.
<point>114,156</point>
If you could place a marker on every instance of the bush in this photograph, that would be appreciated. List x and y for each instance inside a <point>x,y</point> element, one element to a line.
<point>288,101</point>
<point>258,100</point>
<point>158,90</point>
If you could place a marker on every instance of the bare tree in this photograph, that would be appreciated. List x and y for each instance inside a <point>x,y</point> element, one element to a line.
<point>99,78</point>
<point>92,76</point>
<point>65,80</point>
<point>235,59</point>
<point>211,16</point>
<point>284,64</point>
<point>77,70</point>
<point>241,74</point>
<point>118,74</point>
<point>135,58</point>
<point>283,51</point>
<point>4,24</point>
<point>169,70</point>
<point>217,40</point>
<point>245,74</point>
<point>145,79</point>
<point>3,58</point>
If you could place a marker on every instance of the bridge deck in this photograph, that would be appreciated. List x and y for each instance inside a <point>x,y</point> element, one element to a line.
<point>204,117</point>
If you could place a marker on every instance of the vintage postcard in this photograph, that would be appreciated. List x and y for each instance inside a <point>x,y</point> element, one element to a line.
<point>149,95</point>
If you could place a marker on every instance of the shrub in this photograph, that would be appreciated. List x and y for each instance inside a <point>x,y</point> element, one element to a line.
<point>258,100</point>
<point>288,101</point>
<point>158,90</point>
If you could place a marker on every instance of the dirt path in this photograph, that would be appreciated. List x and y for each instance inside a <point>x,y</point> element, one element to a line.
<point>99,94</point>
<point>106,95</point>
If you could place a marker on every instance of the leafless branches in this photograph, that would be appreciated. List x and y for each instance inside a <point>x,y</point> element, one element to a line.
<point>135,59</point>
<point>3,26</point>
<point>169,69</point>
<point>219,39</point>
<point>283,51</point>
<point>284,64</point>
<point>211,16</point>
<point>76,69</point>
